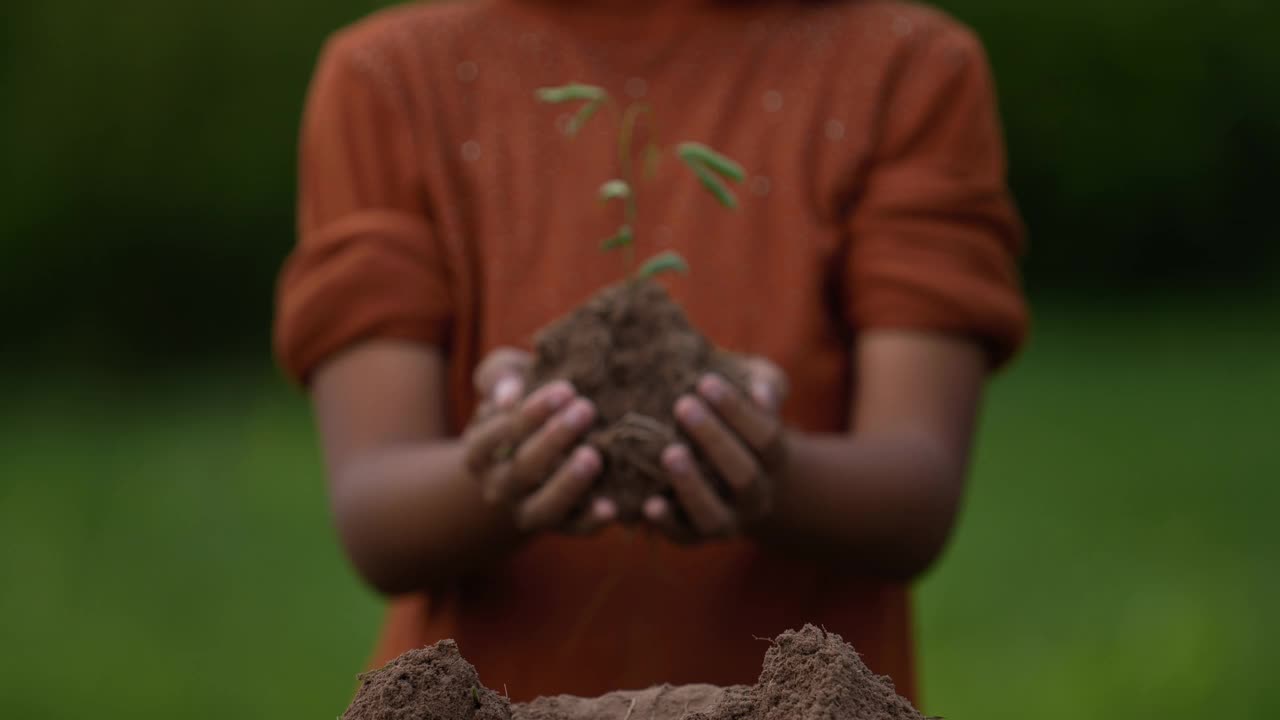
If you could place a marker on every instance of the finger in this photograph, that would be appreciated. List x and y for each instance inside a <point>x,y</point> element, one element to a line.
<point>709,514</point>
<point>550,504</point>
<point>507,481</point>
<point>656,509</point>
<point>755,425</point>
<point>660,514</point>
<point>507,392</point>
<point>601,512</point>
<point>484,439</point>
<point>766,383</point>
<point>736,463</point>
<point>493,438</point>
<point>495,485</point>
<point>762,394</point>
<point>503,365</point>
<point>484,410</point>
<point>537,455</point>
<point>542,404</point>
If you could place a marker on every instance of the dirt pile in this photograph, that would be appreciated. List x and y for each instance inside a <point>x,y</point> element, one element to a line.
<point>808,674</point>
<point>812,674</point>
<point>433,683</point>
<point>631,350</point>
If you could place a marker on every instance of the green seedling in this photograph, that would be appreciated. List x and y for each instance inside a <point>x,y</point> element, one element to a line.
<point>713,170</point>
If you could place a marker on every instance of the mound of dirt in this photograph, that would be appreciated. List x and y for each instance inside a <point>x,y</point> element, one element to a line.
<point>433,683</point>
<point>631,350</point>
<point>808,674</point>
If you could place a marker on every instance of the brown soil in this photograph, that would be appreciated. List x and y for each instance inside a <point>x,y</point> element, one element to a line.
<point>808,674</point>
<point>631,350</point>
<point>433,683</point>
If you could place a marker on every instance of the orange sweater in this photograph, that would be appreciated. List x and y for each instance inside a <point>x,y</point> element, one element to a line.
<point>439,204</point>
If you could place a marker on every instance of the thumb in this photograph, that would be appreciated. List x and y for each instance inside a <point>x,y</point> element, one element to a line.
<point>767,383</point>
<point>763,395</point>
<point>507,391</point>
<point>500,376</point>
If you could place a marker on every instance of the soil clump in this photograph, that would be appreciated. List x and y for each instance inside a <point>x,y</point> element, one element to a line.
<point>631,350</point>
<point>808,674</point>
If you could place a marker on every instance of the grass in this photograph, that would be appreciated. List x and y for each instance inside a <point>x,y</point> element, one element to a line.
<point>164,550</point>
<point>1118,554</point>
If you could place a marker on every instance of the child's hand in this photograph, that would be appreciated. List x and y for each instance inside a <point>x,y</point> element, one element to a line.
<point>515,446</point>
<point>743,437</point>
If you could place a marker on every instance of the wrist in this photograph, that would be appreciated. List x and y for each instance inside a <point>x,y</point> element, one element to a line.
<point>492,521</point>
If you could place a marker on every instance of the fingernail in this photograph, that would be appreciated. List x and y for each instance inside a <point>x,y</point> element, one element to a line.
<point>655,508</point>
<point>604,509</point>
<point>713,388</point>
<point>763,394</point>
<point>676,459</point>
<point>579,414</point>
<point>558,394</point>
<point>690,411</point>
<point>585,464</point>
<point>507,391</point>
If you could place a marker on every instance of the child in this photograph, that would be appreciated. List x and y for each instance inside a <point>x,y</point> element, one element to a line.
<point>442,217</point>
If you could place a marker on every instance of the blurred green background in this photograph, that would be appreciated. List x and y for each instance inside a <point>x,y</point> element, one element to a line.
<point>164,544</point>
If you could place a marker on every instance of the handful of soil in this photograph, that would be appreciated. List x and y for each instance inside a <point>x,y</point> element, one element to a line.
<point>808,674</point>
<point>631,351</point>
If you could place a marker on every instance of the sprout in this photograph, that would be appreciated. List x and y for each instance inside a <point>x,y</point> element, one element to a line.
<point>623,238</point>
<point>695,154</point>
<point>593,97</point>
<point>714,185</point>
<point>615,189</point>
<point>663,262</point>
<point>711,169</point>
<point>571,93</point>
<point>583,115</point>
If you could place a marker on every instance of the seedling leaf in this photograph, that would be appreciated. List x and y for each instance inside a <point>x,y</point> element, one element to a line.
<point>697,153</point>
<point>668,261</point>
<point>616,189</point>
<point>570,93</point>
<point>714,185</point>
<point>583,115</point>
<point>622,238</point>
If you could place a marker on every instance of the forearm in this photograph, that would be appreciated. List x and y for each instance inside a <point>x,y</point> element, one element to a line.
<point>885,502</point>
<point>411,517</point>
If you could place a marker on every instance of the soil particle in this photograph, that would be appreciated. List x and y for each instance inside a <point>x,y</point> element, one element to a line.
<point>808,674</point>
<point>631,351</point>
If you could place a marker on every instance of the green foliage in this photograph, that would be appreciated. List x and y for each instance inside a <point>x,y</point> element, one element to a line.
<point>581,117</point>
<point>157,139</point>
<point>707,165</point>
<point>696,154</point>
<point>715,186</point>
<point>663,262</point>
<point>652,160</point>
<point>623,238</point>
<point>1143,137</point>
<point>571,93</point>
<point>615,189</point>
<point>593,97</point>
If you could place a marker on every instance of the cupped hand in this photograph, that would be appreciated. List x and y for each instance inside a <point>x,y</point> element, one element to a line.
<point>739,434</point>
<point>526,452</point>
